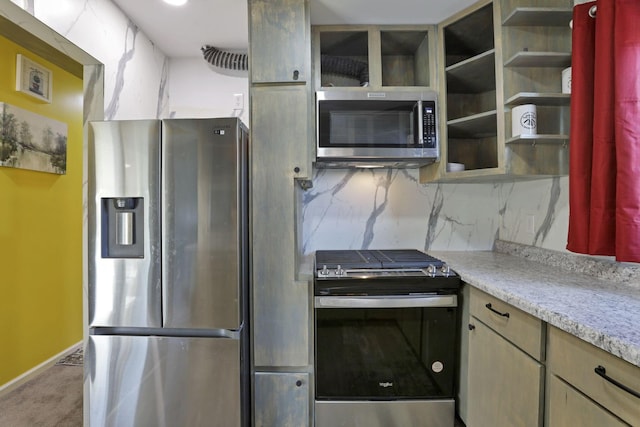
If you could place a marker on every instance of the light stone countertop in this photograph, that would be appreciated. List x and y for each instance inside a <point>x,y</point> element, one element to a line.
<point>597,300</point>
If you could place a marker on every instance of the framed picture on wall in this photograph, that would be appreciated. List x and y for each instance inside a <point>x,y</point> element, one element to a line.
<point>33,79</point>
<point>32,141</point>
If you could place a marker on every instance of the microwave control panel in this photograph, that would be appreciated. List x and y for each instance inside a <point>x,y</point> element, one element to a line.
<point>429,124</point>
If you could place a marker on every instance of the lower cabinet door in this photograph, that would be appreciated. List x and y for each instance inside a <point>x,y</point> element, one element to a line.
<point>505,384</point>
<point>568,407</point>
<point>281,399</point>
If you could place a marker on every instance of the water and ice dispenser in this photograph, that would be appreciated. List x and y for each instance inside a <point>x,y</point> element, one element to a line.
<point>123,227</point>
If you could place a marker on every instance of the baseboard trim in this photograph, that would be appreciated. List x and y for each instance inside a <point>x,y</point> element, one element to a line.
<point>33,372</point>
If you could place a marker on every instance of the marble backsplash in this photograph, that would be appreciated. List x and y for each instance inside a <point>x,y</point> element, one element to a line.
<point>390,208</point>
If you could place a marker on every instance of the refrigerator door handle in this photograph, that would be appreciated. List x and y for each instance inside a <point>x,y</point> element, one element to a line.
<point>169,332</point>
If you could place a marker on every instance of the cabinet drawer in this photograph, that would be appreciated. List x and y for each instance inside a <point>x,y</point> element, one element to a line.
<point>575,361</point>
<point>522,329</point>
<point>568,407</point>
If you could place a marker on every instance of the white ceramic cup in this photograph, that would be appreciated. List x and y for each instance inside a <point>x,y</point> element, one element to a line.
<point>524,120</point>
<point>566,80</point>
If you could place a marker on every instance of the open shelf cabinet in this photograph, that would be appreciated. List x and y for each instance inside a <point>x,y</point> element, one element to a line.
<point>496,55</point>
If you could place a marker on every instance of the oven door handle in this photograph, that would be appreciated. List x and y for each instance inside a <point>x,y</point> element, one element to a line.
<point>386,301</point>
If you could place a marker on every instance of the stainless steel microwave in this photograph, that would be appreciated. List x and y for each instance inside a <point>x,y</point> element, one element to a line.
<point>376,129</point>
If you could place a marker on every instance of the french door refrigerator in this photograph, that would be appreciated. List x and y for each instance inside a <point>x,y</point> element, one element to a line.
<point>168,273</point>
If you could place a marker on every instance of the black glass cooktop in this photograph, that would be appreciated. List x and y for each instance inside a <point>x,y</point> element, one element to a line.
<point>381,272</point>
<point>375,259</point>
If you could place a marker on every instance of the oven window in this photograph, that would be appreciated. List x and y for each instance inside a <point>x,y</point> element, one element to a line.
<point>385,354</point>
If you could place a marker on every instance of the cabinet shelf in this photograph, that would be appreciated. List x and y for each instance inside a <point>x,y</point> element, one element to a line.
<point>539,16</point>
<point>480,125</point>
<point>469,36</point>
<point>539,59</point>
<point>373,56</point>
<point>490,66</point>
<point>542,99</point>
<point>474,75</point>
<point>539,139</point>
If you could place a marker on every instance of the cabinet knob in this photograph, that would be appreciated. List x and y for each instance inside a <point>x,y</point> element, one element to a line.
<point>296,74</point>
<point>298,383</point>
<point>471,327</point>
<point>296,169</point>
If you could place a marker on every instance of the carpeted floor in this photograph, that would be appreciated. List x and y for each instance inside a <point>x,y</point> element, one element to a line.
<point>52,399</point>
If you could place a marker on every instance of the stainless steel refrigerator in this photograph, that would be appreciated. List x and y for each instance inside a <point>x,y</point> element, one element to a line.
<point>168,273</point>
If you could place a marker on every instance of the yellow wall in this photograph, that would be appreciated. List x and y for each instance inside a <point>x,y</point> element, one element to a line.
<point>40,233</point>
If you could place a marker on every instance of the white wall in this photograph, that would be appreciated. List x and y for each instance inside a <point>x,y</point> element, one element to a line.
<point>135,70</point>
<point>141,82</point>
<point>199,90</point>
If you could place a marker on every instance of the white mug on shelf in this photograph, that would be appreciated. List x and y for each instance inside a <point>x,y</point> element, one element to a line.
<point>524,120</point>
<point>566,80</point>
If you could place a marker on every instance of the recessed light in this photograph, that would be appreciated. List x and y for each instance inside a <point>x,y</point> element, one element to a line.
<point>176,2</point>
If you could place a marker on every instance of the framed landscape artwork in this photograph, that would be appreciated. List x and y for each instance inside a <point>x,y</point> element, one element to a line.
<point>31,141</point>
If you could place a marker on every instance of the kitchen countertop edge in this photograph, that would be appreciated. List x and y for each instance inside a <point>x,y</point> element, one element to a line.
<point>603,311</point>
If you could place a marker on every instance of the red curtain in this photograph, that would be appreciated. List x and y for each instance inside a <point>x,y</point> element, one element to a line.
<point>604,169</point>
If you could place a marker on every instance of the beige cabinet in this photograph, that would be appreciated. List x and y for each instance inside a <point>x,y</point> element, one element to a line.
<point>583,382</point>
<point>505,372</point>
<point>279,41</point>
<point>280,303</point>
<point>494,56</point>
<point>568,407</point>
<point>282,399</point>
<point>280,132</point>
<point>374,57</point>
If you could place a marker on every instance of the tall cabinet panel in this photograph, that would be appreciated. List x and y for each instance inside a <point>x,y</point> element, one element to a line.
<point>280,97</point>
<point>280,303</point>
<point>280,42</point>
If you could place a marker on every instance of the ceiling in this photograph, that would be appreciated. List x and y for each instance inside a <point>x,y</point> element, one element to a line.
<point>181,31</point>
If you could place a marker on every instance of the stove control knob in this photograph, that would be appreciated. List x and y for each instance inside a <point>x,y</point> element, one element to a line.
<point>446,270</point>
<point>324,271</point>
<point>431,269</point>
<point>339,271</point>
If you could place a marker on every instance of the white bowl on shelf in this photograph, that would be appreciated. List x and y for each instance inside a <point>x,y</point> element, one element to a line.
<point>455,167</point>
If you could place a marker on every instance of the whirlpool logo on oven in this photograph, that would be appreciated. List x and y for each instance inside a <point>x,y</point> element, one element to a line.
<point>385,384</point>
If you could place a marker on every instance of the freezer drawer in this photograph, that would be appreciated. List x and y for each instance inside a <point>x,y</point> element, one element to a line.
<point>163,381</point>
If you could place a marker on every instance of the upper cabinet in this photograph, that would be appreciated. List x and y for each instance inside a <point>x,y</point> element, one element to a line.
<point>374,57</point>
<point>278,41</point>
<point>495,56</point>
<point>469,57</point>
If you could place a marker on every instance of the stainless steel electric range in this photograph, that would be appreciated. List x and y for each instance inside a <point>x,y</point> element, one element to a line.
<point>386,325</point>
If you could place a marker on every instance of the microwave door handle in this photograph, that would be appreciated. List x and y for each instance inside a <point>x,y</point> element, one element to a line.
<point>420,118</point>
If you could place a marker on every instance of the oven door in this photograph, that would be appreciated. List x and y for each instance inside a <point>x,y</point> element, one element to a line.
<point>385,348</point>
